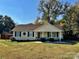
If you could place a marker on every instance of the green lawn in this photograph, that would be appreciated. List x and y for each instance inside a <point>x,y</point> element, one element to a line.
<point>31,50</point>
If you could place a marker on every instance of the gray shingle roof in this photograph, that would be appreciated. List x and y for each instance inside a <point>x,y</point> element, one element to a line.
<point>48,28</point>
<point>26,27</point>
<point>36,27</point>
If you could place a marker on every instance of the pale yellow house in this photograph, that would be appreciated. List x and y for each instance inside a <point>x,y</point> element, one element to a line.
<point>34,31</point>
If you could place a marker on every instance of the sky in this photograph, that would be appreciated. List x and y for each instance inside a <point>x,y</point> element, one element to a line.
<point>22,11</point>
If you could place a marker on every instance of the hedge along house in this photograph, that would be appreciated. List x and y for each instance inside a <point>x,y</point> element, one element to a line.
<point>34,31</point>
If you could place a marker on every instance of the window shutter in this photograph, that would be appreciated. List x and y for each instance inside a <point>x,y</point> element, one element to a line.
<point>28,34</point>
<point>15,34</point>
<point>33,34</point>
<point>57,34</point>
<point>20,34</point>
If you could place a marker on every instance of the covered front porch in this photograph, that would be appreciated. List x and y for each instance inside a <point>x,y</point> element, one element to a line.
<point>55,35</point>
<point>49,31</point>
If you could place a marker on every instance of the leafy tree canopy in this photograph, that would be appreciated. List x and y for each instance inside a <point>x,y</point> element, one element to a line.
<point>50,9</point>
<point>6,24</point>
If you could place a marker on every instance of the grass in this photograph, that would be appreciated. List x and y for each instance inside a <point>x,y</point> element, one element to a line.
<point>31,50</point>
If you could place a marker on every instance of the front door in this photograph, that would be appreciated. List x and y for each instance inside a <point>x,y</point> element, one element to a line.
<point>49,34</point>
<point>39,34</point>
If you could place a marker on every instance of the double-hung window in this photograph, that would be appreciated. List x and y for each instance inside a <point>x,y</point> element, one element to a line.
<point>30,34</point>
<point>17,34</point>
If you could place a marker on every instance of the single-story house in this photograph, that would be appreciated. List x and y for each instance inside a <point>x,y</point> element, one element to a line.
<point>34,31</point>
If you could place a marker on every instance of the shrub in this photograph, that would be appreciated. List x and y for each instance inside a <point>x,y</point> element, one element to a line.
<point>43,39</point>
<point>51,39</point>
<point>12,39</point>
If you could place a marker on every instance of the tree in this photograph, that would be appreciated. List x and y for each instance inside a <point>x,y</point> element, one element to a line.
<point>38,20</point>
<point>50,9</point>
<point>6,24</point>
<point>1,24</point>
<point>60,22</point>
<point>72,20</point>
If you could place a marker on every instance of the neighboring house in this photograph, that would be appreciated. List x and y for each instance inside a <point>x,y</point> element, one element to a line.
<point>34,31</point>
<point>6,35</point>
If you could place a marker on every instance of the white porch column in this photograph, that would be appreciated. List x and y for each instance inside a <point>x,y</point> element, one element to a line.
<point>42,34</point>
<point>51,35</point>
<point>14,34</point>
<point>60,36</point>
<point>35,34</point>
